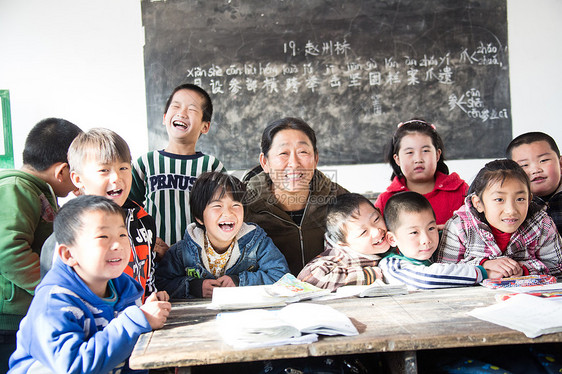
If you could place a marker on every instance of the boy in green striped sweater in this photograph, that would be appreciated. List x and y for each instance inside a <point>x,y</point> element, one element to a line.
<point>162,180</point>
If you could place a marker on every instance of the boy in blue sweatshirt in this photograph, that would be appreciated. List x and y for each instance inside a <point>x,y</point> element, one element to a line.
<point>86,314</point>
<point>412,230</point>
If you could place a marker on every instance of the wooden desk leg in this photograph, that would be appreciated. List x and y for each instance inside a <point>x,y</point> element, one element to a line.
<point>402,362</point>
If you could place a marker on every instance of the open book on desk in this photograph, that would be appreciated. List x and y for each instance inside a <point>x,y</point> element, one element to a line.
<point>286,290</point>
<point>377,288</point>
<point>260,327</point>
<point>294,289</point>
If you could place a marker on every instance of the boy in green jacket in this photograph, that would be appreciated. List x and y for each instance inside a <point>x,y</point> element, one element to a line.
<point>28,201</point>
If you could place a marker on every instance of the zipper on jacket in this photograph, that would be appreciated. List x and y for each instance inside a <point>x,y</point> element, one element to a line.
<point>299,227</point>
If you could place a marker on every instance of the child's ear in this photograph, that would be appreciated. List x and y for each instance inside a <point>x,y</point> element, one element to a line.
<point>61,170</point>
<point>391,239</point>
<point>396,159</point>
<point>206,127</point>
<point>76,179</point>
<point>199,221</point>
<point>65,255</point>
<point>438,154</point>
<point>477,203</point>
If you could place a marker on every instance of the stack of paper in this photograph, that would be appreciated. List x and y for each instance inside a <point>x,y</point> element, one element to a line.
<point>532,315</point>
<point>260,327</point>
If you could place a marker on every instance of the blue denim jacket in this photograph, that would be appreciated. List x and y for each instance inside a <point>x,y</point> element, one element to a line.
<point>255,260</point>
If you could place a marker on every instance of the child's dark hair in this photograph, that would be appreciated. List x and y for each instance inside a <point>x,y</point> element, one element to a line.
<point>287,123</point>
<point>407,128</point>
<point>407,201</point>
<point>48,142</point>
<point>343,208</point>
<point>207,104</point>
<point>70,218</point>
<point>207,186</point>
<point>531,137</point>
<point>498,171</point>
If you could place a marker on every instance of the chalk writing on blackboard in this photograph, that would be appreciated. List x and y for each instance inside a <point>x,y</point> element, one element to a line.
<point>266,78</point>
<point>352,69</point>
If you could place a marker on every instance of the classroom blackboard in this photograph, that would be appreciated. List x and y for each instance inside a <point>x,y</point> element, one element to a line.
<point>352,69</point>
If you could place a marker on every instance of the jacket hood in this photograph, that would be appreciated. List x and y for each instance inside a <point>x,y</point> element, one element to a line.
<point>124,284</point>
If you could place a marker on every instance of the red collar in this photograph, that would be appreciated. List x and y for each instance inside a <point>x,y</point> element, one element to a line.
<point>502,238</point>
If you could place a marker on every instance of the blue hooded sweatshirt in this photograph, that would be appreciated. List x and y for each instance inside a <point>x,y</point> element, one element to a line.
<point>69,329</point>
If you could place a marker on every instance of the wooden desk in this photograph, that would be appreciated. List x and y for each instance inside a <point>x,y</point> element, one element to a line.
<point>405,324</point>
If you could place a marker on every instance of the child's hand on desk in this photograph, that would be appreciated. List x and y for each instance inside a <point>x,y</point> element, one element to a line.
<point>155,311</point>
<point>226,281</point>
<point>208,286</point>
<point>502,267</point>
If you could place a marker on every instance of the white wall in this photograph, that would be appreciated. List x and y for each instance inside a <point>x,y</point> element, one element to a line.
<point>82,60</point>
<point>76,59</point>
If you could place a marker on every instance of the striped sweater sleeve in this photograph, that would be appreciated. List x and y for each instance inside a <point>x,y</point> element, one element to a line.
<point>438,275</point>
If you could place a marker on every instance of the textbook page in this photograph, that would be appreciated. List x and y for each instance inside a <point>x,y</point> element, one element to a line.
<point>318,319</point>
<point>259,328</point>
<point>294,324</point>
<point>377,288</point>
<point>244,298</point>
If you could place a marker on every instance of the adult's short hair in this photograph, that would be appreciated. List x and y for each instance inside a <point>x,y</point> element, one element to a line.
<point>287,123</point>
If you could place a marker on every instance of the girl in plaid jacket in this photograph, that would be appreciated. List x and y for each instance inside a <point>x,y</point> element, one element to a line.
<point>499,227</point>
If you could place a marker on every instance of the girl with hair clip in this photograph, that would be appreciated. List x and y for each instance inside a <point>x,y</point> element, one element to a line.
<point>416,154</point>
